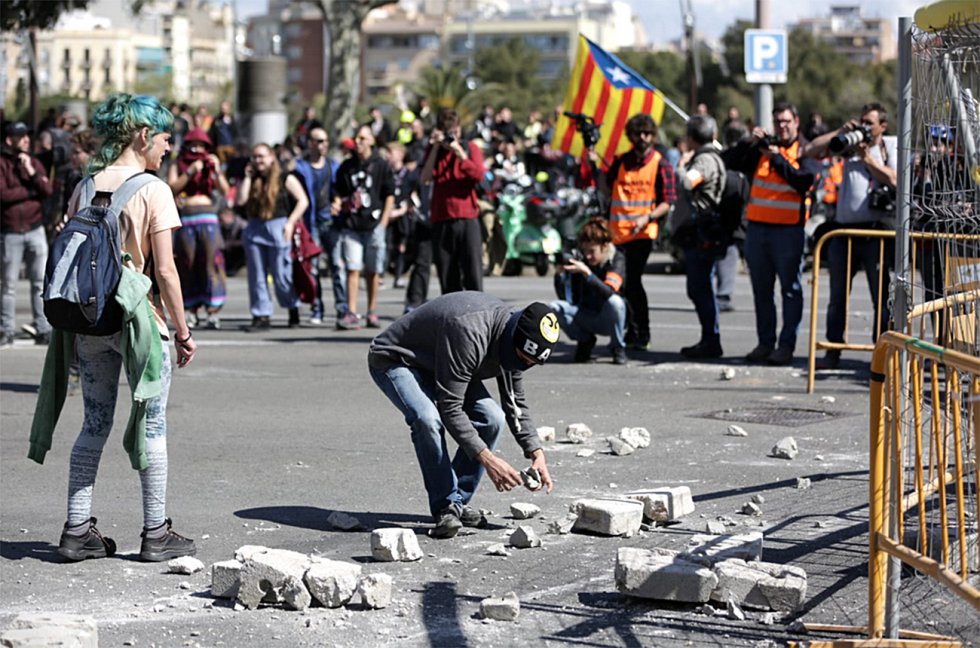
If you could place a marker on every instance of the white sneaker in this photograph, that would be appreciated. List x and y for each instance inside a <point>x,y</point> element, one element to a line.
<point>316,321</point>
<point>214,322</point>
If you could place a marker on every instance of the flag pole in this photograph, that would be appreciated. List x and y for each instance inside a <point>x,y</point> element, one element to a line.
<point>677,109</point>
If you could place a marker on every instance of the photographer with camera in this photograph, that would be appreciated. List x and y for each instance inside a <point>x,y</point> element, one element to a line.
<point>588,286</point>
<point>774,238</point>
<point>198,185</point>
<point>455,168</point>
<point>865,200</point>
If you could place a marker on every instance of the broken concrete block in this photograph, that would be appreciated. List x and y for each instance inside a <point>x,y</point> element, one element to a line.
<point>585,452</point>
<point>524,537</point>
<point>264,575</point>
<point>665,504</point>
<point>736,431</point>
<point>524,510</point>
<point>803,483</point>
<point>751,508</point>
<point>746,546</point>
<point>663,575</point>
<point>547,434</point>
<point>295,596</point>
<point>375,590</point>
<point>226,578</point>
<point>758,498</point>
<point>760,585</point>
<point>619,447</point>
<point>332,582</point>
<point>786,448</point>
<point>184,565</point>
<point>245,552</point>
<point>388,545</point>
<point>578,433</point>
<point>563,526</point>
<point>343,522</point>
<point>638,437</point>
<point>727,373</point>
<point>497,549</point>
<point>735,612</point>
<point>51,629</point>
<point>714,527</point>
<point>828,399</point>
<point>501,608</point>
<point>612,517</point>
<point>531,478</point>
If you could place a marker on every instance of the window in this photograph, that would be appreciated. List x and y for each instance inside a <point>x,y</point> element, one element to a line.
<point>294,52</point>
<point>88,55</point>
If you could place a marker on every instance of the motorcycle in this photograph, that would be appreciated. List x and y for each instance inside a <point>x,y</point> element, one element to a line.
<point>527,218</point>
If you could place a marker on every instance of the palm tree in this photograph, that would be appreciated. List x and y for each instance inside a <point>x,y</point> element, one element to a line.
<point>449,87</point>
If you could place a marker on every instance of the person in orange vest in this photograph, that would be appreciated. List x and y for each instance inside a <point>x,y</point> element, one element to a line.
<point>774,239</point>
<point>640,187</point>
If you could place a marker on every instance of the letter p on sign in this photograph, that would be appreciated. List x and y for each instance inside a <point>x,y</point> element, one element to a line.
<point>765,56</point>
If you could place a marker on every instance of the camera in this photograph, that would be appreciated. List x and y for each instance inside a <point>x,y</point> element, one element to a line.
<point>567,255</point>
<point>586,127</point>
<point>769,140</point>
<point>847,140</point>
<point>449,139</point>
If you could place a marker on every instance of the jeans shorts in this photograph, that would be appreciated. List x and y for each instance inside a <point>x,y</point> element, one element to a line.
<point>363,250</point>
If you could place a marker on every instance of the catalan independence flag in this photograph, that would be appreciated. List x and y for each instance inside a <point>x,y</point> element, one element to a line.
<point>605,88</point>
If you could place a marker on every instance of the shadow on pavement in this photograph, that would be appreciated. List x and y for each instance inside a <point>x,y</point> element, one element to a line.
<point>43,551</point>
<point>440,615</point>
<point>18,388</point>
<point>315,518</point>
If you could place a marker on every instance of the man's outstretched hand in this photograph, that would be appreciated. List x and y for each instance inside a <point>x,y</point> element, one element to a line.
<point>501,473</point>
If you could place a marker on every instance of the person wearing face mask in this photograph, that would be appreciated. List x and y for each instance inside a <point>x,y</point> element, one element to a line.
<point>588,286</point>
<point>431,364</point>
<point>781,177</point>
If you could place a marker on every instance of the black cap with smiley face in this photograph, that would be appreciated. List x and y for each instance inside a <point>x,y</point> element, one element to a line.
<point>537,332</point>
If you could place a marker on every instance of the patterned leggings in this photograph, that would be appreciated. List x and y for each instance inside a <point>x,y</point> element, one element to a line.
<point>100,362</point>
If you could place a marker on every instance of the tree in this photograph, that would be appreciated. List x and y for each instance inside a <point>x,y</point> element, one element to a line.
<point>447,87</point>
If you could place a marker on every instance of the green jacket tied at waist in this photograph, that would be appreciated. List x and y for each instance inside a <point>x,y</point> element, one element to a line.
<point>142,352</point>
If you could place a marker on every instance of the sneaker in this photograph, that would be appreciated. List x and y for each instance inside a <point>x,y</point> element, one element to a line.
<point>192,320</point>
<point>702,351</point>
<point>91,544</point>
<point>258,324</point>
<point>759,354</point>
<point>781,356</point>
<point>725,304</point>
<point>447,525</point>
<point>830,361</point>
<point>170,545</point>
<point>29,329</point>
<point>373,321</point>
<point>400,283</point>
<point>316,320</point>
<point>639,344</point>
<point>42,339</point>
<point>583,351</point>
<point>293,318</point>
<point>619,356</point>
<point>214,322</point>
<point>6,340</point>
<point>471,517</point>
<point>349,322</point>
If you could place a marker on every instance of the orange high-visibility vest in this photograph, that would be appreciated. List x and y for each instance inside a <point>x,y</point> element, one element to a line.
<point>772,199</point>
<point>634,194</point>
<point>835,175</point>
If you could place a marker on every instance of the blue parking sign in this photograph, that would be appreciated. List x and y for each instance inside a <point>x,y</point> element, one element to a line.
<point>765,56</point>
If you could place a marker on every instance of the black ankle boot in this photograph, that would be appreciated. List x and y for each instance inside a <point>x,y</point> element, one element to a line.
<point>258,324</point>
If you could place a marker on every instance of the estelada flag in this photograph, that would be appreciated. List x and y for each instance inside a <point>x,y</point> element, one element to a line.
<point>606,89</point>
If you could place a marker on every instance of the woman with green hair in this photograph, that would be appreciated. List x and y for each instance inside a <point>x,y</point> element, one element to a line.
<point>136,139</point>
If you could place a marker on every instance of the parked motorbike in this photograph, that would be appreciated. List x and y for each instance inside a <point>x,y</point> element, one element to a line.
<point>528,220</point>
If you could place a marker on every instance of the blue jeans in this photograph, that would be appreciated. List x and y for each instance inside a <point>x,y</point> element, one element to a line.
<point>776,251</point>
<point>700,290</point>
<point>447,482</point>
<point>267,253</point>
<point>864,252</point>
<point>329,235</point>
<point>583,324</point>
<point>16,248</point>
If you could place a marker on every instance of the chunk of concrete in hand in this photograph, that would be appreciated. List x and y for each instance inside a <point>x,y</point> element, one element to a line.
<point>638,437</point>
<point>736,431</point>
<point>501,608</point>
<point>611,517</point>
<point>51,629</point>
<point>715,548</point>
<point>332,582</point>
<point>663,575</point>
<point>665,504</point>
<point>760,585</point>
<point>578,433</point>
<point>619,447</point>
<point>524,510</point>
<point>786,448</point>
<point>547,434</point>
<point>264,575</point>
<point>375,590</point>
<point>184,565</point>
<point>389,545</point>
<point>531,478</point>
<point>524,537</point>
<point>226,578</point>
<point>295,596</point>
<point>344,522</point>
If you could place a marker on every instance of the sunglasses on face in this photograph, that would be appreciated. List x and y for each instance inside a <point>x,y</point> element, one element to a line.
<point>318,141</point>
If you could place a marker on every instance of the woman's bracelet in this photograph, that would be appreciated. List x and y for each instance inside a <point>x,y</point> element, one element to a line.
<point>184,341</point>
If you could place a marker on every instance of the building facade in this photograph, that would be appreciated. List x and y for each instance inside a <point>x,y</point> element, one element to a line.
<point>863,40</point>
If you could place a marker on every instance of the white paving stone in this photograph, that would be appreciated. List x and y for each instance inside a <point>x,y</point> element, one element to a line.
<point>395,544</point>
<point>663,575</point>
<point>578,433</point>
<point>295,596</point>
<point>226,578</point>
<point>332,582</point>
<point>619,447</point>
<point>547,434</point>
<point>612,517</point>
<point>264,575</point>
<point>665,504</point>
<point>51,630</point>
<point>245,552</point>
<point>501,608</point>
<point>785,448</point>
<point>638,437</point>
<point>736,431</point>
<point>760,585</point>
<point>184,565</point>
<point>524,510</point>
<point>524,537</point>
<point>374,590</point>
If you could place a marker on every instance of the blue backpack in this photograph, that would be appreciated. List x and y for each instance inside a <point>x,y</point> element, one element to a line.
<point>85,262</point>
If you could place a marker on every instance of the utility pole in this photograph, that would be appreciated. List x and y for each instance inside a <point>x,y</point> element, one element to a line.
<point>763,91</point>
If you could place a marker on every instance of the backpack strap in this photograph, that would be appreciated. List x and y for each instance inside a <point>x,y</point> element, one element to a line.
<point>128,189</point>
<point>86,193</point>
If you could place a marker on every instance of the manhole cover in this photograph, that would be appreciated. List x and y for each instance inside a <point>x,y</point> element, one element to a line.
<point>784,416</point>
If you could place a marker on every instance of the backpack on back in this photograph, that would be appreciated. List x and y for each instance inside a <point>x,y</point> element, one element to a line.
<point>85,262</point>
<point>734,198</point>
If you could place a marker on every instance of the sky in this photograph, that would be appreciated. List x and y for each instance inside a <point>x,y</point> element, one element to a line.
<point>662,18</point>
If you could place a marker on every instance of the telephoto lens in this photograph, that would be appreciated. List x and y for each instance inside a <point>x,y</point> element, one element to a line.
<point>848,140</point>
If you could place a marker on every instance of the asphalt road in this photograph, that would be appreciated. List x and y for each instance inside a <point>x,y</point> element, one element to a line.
<point>269,433</point>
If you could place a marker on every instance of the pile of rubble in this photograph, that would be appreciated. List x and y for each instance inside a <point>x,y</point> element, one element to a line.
<point>629,439</point>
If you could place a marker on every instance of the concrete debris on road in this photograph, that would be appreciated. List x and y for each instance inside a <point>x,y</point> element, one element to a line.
<point>226,576</point>
<point>501,608</point>
<point>828,399</point>
<point>524,510</point>
<point>714,527</point>
<point>563,526</point>
<point>715,548</point>
<point>638,437</point>
<point>344,522</point>
<point>531,478</point>
<point>524,537</point>
<point>760,585</point>
<point>264,575</point>
<point>751,508</point>
<point>395,544</point>
<point>734,612</point>
<point>786,448</point>
<point>759,498</point>
<point>665,504</point>
<point>374,590</point>
<point>736,431</point>
<point>332,582</point>
<point>618,447</point>
<point>295,596</point>
<point>578,433</point>
<point>51,629</point>
<point>184,565</point>
<point>585,452</point>
<point>497,549</point>
<point>611,517</point>
<point>547,434</point>
<point>727,373</point>
<point>803,483</point>
<point>663,575</point>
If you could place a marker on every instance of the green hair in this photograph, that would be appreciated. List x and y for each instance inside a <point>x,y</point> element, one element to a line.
<point>119,118</point>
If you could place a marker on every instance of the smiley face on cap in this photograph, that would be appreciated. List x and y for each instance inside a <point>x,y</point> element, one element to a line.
<point>549,327</point>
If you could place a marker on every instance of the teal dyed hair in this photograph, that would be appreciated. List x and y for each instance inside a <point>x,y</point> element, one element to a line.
<point>119,118</point>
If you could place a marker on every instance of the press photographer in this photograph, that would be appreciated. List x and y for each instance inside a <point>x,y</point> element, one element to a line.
<point>865,200</point>
<point>588,284</point>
